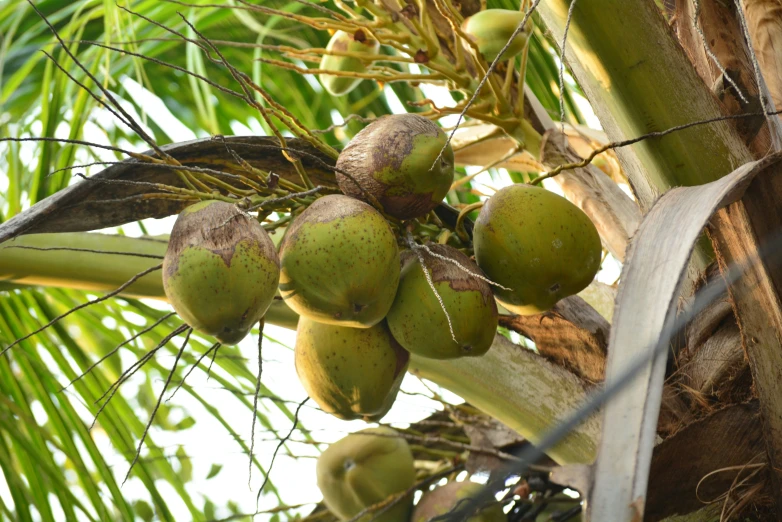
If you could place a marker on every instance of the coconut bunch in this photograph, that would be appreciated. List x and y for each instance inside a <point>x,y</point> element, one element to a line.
<point>366,304</point>
<point>369,295</point>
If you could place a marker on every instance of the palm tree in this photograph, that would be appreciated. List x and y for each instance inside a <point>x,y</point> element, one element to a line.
<point>684,93</point>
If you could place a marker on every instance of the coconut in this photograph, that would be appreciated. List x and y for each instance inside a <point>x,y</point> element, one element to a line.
<point>444,498</point>
<point>345,42</point>
<point>394,161</point>
<point>417,320</point>
<point>351,373</point>
<point>492,28</point>
<point>221,270</point>
<point>537,244</point>
<point>363,469</point>
<point>340,263</point>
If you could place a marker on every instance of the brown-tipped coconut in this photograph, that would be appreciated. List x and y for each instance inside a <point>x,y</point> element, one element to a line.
<point>340,263</point>
<point>538,245</point>
<point>442,499</point>
<point>394,161</point>
<point>352,373</point>
<point>345,42</point>
<point>363,469</point>
<point>492,28</point>
<point>417,320</point>
<point>221,270</point>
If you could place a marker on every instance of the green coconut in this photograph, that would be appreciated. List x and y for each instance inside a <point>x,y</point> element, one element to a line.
<point>536,243</point>
<point>221,270</point>
<point>492,28</point>
<point>345,42</point>
<point>417,320</point>
<point>442,499</point>
<point>394,161</point>
<point>363,469</point>
<point>340,263</point>
<point>352,373</point>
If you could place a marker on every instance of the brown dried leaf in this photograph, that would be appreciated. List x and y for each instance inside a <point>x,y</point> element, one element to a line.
<point>91,205</point>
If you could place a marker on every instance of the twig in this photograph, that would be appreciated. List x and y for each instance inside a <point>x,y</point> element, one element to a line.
<point>386,504</point>
<point>632,141</point>
<point>209,370</point>
<point>112,390</point>
<point>562,65</point>
<point>120,345</point>
<point>754,58</point>
<point>84,305</point>
<point>214,347</point>
<point>286,198</point>
<point>413,246</point>
<point>486,76</point>
<point>261,324</point>
<point>90,250</point>
<point>157,405</point>
<point>697,24</point>
<point>282,441</point>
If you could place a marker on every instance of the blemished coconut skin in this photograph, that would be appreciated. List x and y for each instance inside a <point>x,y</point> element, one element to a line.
<point>340,263</point>
<point>392,160</point>
<point>417,320</point>
<point>536,243</point>
<point>352,373</point>
<point>441,500</point>
<point>363,469</point>
<point>492,28</point>
<point>344,42</point>
<point>221,270</point>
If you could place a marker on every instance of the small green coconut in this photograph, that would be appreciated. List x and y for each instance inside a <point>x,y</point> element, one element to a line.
<point>345,42</point>
<point>221,270</point>
<point>352,373</point>
<point>536,243</point>
<point>417,320</point>
<point>363,469</point>
<point>340,263</point>
<point>442,499</point>
<point>394,161</point>
<point>492,28</point>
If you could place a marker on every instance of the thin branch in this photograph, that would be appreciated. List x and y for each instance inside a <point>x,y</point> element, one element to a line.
<point>112,390</point>
<point>157,405</point>
<point>277,449</point>
<point>84,305</point>
<point>129,119</point>
<point>74,142</point>
<point>214,347</point>
<point>209,370</point>
<point>386,504</point>
<point>697,24</point>
<point>485,78</point>
<point>120,345</point>
<point>657,134</point>
<point>562,65</point>
<point>754,58</point>
<point>295,195</point>
<point>255,403</point>
<point>90,250</point>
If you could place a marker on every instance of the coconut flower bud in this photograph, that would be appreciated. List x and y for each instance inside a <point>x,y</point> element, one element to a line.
<point>491,29</point>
